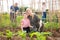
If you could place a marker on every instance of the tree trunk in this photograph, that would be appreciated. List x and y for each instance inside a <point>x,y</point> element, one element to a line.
<point>13,1</point>
<point>22,3</point>
<point>2,6</point>
<point>39,5</point>
<point>7,6</point>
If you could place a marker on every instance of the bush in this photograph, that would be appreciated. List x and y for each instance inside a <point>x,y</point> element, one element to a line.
<point>1,33</point>
<point>40,36</point>
<point>51,25</point>
<point>5,20</point>
<point>9,34</point>
<point>55,18</point>
<point>21,33</point>
<point>19,18</point>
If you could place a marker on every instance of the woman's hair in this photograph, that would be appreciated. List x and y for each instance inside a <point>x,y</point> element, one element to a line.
<point>29,9</point>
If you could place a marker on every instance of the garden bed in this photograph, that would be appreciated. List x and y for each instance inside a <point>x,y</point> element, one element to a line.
<point>10,31</point>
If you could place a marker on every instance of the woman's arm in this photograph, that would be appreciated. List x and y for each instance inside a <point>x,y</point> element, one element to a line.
<point>22,25</point>
<point>30,25</point>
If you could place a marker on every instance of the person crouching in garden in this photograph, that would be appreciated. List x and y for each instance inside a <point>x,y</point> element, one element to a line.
<point>34,20</point>
<point>25,24</point>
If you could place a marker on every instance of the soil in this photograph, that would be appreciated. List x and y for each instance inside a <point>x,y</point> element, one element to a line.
<point>3,38</point>
<point>16,38</point>
<point>2,29</point>
<point>55,34</point>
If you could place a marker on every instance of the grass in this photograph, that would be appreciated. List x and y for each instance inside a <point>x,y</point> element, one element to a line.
<point>5,20</point>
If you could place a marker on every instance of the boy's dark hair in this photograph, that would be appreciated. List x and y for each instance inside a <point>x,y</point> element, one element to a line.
<point>43,3</point>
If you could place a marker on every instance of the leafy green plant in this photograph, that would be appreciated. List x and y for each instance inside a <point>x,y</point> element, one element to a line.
<point>40,36</point>
<point>55,18</point>
<point>46,33</point>
<point>22,34</point>
<point>4,20</point>
<point>19,18</point>
<point>23,9</point>
<point>55,25</point>
<point>1,33</point>
<point>35,33</point>
<point>12,24</point>
<point>51,25</point>
<point>9,34</point>
<point>47,25</point>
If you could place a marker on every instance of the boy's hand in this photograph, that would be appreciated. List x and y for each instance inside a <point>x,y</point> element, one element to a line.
<point>17,12</point>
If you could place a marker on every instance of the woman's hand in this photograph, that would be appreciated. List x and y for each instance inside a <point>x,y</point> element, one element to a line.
<point>22,28</point>
<point>31,26</point>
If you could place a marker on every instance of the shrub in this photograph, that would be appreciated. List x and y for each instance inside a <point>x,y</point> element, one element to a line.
<point>51,25</point>
<point>19,18</point>
<point>5,20</point>
<point>40,36</point>
<point>1,33</point>
<point>9,34</point>
<point>22,34</point>
<point>55,18</point>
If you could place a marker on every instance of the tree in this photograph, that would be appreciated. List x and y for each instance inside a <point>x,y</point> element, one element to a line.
<point>13,1</point>
<point>7,6</point>
<point>21,2</point>
<point>39,5</point>
<point>32,4</point>
<point>2,6</point>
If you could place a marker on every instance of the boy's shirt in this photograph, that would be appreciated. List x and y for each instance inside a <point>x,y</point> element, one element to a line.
<point>25,23</point>
<point>44,8</point>
<point>14,8</point>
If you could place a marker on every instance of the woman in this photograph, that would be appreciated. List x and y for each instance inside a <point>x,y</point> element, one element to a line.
<point>34,20</point>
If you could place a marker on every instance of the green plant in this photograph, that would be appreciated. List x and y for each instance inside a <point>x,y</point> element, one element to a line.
<point>9,34</point>
<point>1,33</point>
<point>4,20</point>
<point>35,33</point>
<point>22,34</point>
<point>13,24</point>
<point>19,18</point>
<point>23,9</point>
<point>51,25</point>
<point>55,18</point>
<point>46,33</point>
<point>40,36</point>
<point>47,25</point>
<point>55,25</point>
